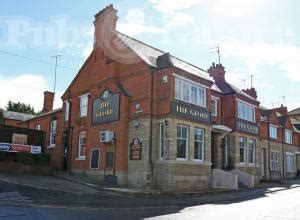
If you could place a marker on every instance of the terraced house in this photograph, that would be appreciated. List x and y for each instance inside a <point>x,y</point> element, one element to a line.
<point>139,116</point>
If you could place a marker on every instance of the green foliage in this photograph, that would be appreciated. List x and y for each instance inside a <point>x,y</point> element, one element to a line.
<point>20,107</point>
<point>2,155</point>
<point>1,117</point>
<point>33,159</point>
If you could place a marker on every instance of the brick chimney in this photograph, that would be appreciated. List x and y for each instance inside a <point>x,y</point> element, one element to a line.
<point>252,92</point>
<point>217,71</point>
<point>105,25</point>
<point>48,101</point>
<point>282,110</point>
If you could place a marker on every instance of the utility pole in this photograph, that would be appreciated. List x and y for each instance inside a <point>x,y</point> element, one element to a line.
<point>56,59</point>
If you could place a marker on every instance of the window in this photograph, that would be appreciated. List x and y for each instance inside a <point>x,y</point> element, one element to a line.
<point>161,141</point>
<point>214,106</point>
<point>37,127</point>
<point>81,145</point>
<point>290,162</point>
<point>242,150</point>
<point>182,142</point>
<point>274,160</point>
<point>246,112</point>
<point>273,131</point>
<point>252,145</point>
<point>288,137</point>
<point>190,92</point>
<point>83,105</point>
<point>95,157</point>
<point>53,126</point>
<point>198,144</point>
<point>67,110</point>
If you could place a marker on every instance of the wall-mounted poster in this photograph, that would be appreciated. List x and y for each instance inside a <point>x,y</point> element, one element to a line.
<point>135,149</point>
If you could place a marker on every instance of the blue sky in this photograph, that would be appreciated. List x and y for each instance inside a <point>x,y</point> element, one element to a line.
<point>257,37</point>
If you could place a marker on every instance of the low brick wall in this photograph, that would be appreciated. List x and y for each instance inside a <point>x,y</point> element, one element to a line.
<point>19,168</point>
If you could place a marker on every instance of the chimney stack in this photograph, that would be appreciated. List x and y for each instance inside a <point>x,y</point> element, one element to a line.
<point>105,26</point>
<point>217,71</point>
<point>282,110</point>
<point>252,92</point>
<point>48,101</point>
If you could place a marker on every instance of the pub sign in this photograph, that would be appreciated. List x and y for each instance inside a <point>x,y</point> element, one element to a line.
<point>135,149</point>
<point>106,108</point>
<point>246,127</point>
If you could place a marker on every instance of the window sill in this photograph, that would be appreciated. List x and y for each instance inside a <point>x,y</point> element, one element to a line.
<point>181,159</point>
<point>198,161</point>
<point>51,146</point>
<point>80,158</point>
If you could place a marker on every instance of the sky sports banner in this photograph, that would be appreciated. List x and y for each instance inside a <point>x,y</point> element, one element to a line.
<point>7,147</point>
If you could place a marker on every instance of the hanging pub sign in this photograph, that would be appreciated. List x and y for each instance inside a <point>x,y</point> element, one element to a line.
<point>106,108</point>
<point>190,112</point>
<point>246,127</point>
<point>135,149</point>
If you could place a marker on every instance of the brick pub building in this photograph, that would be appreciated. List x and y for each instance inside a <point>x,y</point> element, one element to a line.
<point>142,117</point>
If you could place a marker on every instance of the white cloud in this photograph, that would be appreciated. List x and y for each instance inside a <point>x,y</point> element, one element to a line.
<point>180,19</point>
<point>285,56</point>
<point>135,24</point>
<point>170,6</point>
<point>27,88</point>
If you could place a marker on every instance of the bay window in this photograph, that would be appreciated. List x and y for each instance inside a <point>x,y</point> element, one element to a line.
<point>182,142</point>
<point>198,144</point>
<point>252,145</point>
<point>190,92</point>
<point>242,150</point>
<point>246,112</point>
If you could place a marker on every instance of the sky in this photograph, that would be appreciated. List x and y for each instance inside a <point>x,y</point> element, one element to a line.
<point>256,37</point>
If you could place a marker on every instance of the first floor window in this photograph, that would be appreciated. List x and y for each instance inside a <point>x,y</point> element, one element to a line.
<point>81,145</point>
<point>273,131</point>
<point>274,160</point>
<point>37,127</point>
<point>198,144</point>
<point>290,162</point>
<point>246,112</point>
<point>242,150</point>
<point>288,137</point>
<point>214,106</point>
<point>53,126</point>
<point>182,142</point>
<point>161,140</point>
<point>83,105</point>
<point>252,144</point>
<point>67,110</point>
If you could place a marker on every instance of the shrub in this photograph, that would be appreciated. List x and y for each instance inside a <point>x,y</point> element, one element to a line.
<point>43,159</point>
<point>26,158</point>
<point>2,155</point>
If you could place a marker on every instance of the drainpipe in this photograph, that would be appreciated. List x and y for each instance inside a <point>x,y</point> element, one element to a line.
<point>151,123</point>
<point>69,133</point>
<point>269,151</point>
<point>283,155</point>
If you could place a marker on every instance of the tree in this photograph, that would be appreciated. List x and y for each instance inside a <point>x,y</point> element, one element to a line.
<point>20,107</point>
<point>1,117</point>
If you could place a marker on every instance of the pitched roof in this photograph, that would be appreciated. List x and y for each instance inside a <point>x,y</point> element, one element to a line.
<point>295,111</point>
<point>296,125</point>
<point>16,115</point>
<point>45,114</point>
<point>150,55</point>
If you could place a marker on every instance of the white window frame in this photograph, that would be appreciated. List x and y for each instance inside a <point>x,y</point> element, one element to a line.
<point>95,149</point>
<point>38,127</point>
<point>181,138</point>
<point>52,136</point>
<point>80,146</point>
<point>83,109</point>
<point>290,165</point>
<point>162,128</point>
<point>273,131</point>
<point>201,144</point>
<point>215,106</point>
<point>288,136</point>
<point>251,144</point>
<point>67,110</point>
<point>246,111</point>
<point>244,149</point>
<point>274,161</point>
<point>180,84</point>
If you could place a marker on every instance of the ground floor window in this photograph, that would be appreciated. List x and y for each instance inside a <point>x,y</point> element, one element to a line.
<point>198,144</point>
<point>95,157</point>
<point>252,145</point>
<point>161,141</point>
<point>81,145</point>
<point>242,150</point>
<point>274,160</point>
<point>290,162</point>
<point>182,142</point>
